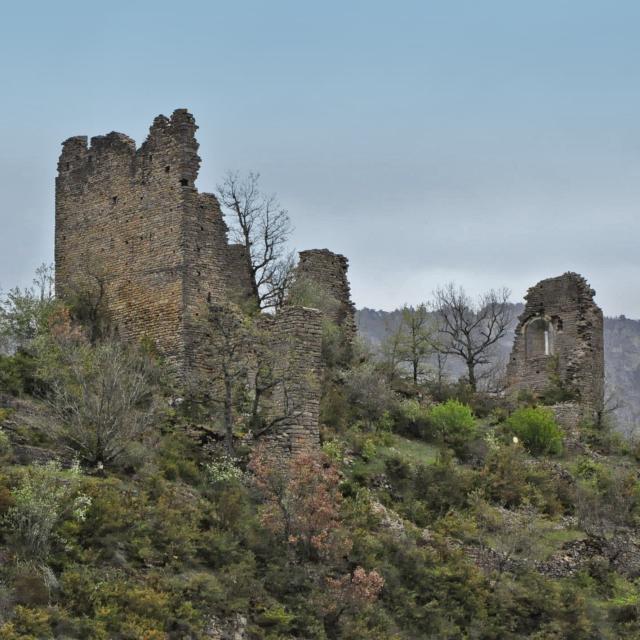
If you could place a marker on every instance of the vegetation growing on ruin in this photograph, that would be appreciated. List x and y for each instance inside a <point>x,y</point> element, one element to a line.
<point>432,510</point>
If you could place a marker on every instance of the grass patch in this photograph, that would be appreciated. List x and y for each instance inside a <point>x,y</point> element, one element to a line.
<point>413,451</point>
<point>554,539</point>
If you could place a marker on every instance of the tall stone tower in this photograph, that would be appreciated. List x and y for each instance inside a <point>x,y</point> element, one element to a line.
<point>559,340</point>
<point>135,216</point>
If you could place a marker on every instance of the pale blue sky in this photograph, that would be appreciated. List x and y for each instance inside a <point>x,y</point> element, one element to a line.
<point>493,143</point>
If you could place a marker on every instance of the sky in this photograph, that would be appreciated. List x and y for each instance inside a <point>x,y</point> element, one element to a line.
<point>491,143</point>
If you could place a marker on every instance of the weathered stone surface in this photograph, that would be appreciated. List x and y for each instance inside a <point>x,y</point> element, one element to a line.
<point>328,271</point>
<point>297,339</point>
<point>559,340</point>
<point>135,217</point>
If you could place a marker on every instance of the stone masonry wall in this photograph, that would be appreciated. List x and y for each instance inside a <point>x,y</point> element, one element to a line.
<point>136,216</point>
<point>328,271</point>
<point>297,337</point>
<point>559,339</point>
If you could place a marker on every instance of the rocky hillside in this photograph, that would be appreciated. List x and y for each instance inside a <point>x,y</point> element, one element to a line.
<point>128,510</point>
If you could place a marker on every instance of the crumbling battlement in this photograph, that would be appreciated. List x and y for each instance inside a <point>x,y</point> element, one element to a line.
<point>133,218</point>
<point>328,271</point>
<point>136,216</point>
<point>559,343</point>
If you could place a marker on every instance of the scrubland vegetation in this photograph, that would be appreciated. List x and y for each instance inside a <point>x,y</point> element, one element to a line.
<point>433,511</point>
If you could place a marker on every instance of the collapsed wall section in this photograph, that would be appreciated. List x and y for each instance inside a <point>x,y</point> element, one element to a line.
<point>328,272</point>
<point>296,334</point>
<point>133,220</point>
<point>559,344</point>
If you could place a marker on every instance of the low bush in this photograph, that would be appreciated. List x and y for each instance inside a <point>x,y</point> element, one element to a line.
<point>411,419</point>
<point>453,424</point>
<point>537,428</point>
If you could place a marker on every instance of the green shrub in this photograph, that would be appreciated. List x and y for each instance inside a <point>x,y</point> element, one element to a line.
<point>453,423</point>
<point>5,443</point>
<point>397,467</point>
<point>537,428</point>
<point>411,418</point>
<point>18,373</point>
<point>444,486</point>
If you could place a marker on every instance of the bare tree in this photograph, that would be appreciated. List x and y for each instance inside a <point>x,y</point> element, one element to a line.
<point>103,396</point>
<point>249,376</point>
<point>86,295</point>
<point>408,341</point>
<point>390,348</point>
<point>44,282</point>
<point>470,329</point>
<point>415,341</point>
<point>263,227</point>
<point>441,367</point>
<point>229,352</point>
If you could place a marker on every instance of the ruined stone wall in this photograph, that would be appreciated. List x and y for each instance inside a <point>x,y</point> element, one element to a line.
<point>297,339</point>
<point>328,271</point>
<point>137,217</point>
<point>559,339</point>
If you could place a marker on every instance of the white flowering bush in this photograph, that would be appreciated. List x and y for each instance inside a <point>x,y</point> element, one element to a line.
<point>492,441</point>
<point>223,470</point>
<point>44,495</point>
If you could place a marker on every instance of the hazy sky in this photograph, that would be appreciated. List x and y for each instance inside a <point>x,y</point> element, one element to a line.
<point>487,142</point>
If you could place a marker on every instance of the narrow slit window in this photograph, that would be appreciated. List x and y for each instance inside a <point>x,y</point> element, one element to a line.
<point>546,342</point>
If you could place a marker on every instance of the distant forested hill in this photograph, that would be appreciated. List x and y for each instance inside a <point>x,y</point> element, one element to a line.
<point>622,357</point>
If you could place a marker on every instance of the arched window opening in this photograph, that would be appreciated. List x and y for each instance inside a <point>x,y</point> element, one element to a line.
<point>538,338</point>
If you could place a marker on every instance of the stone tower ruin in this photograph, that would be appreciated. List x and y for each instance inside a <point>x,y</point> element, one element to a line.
<point>134,217</point>
<point>327,271</point>
<point>559,345</point>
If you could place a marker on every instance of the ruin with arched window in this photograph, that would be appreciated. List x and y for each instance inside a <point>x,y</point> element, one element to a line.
<point>558,344</point>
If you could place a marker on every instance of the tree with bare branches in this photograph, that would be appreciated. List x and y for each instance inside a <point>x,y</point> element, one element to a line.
<point>86,296</point>
<point>270,383</point>
<point>409,342</point>
<point>229,354</point>
<point>470,329</point>
<point>259,223</point>
<point>104,396</point>
<point>416,338</point>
